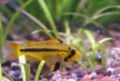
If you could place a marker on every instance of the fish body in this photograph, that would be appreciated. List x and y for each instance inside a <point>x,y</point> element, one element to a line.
<point>46,51</point>
<point>52,51</point>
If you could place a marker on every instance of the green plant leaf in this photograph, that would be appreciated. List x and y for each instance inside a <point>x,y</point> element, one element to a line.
<point>40,66</point>
<point>25,71</point>
<point>104,40</point>
<point>24,68</point>
<point>9,25</point>
<point>49,17</point>
<point>1,46</point>
<point>90,37</point>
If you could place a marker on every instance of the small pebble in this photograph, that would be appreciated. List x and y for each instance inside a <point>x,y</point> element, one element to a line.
<point>5,79</point>
<point>98,57</point>
<point>106,78</point>
<point>14,73</point>
<point>93,75</point>
<point>115,63</point>
<point>99,76</point>
<point>6,69</point>
<point>17,73</point>
<point>74,76</point>
<point>69,68</point>
<point>57,75</point>
<point>86,77</point>
<point>110,71</point>
<point>107,73</point>
<point>71,80</point>
<point>118,70</point>
<point>16,78</point>
<point>7,63</point>
<point>99,67</point>
<point>80,73</point>
<point>100,72</point>
<point>14,66</point>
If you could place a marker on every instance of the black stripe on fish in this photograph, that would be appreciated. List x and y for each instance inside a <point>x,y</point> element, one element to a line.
<point>72,53</point>
<point>57,66</point>
<point>40,50</point>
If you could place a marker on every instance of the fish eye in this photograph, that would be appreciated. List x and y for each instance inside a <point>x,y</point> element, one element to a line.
<point>72,51</point>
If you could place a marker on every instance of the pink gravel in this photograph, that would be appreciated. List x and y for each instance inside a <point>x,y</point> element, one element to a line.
<point>107,78</point>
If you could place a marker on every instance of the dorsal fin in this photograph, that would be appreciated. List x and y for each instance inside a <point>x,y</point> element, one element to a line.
<point>27,42</point>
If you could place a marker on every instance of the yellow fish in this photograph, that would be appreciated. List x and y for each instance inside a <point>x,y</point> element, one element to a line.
<point>52,51</point>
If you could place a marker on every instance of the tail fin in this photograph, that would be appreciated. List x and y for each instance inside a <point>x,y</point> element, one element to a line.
<point>13,50</point>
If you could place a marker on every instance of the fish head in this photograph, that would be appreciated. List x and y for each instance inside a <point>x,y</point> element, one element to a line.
<point>74,55</point>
